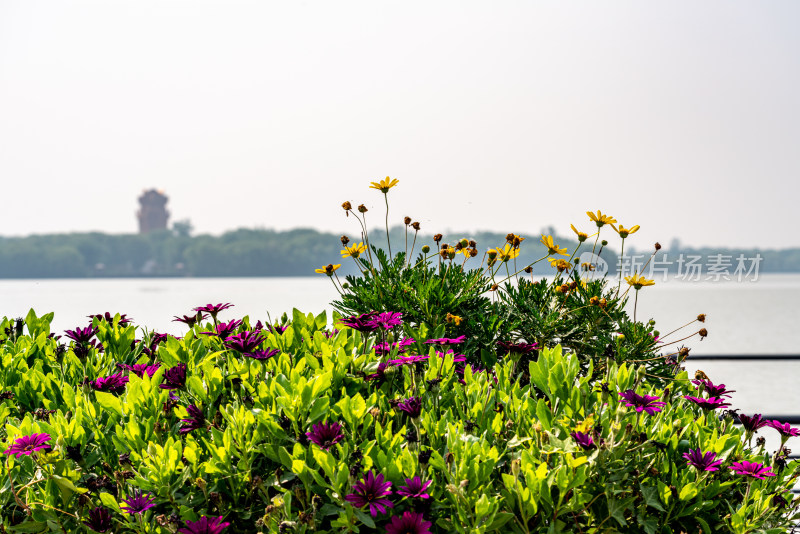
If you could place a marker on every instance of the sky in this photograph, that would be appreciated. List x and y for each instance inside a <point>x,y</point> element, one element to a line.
<point>681,116</point>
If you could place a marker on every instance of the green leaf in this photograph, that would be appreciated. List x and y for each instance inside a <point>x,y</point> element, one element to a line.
<point>650,494</point>
<point>109,402</point>
<point>364,518</point>
<point>108,500</point>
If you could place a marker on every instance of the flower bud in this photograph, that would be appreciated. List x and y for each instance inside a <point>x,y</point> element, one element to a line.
<point>658,246</point>
<point>701,317</point>
<point>516,467</point>
<point>407,220</point>
<point>425,249</point>
<point>345,240</point>
<point>528,269</point>
<point>604,242</point>
<point>464,243</point>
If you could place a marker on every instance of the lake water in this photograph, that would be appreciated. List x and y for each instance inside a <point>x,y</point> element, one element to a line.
<point>743,317</point>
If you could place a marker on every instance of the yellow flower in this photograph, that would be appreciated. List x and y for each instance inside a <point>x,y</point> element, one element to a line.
<point>638,281</point>
<point>328,269</point>
<point>581,236</point>
<point>559,263</point>
<point>625,232</point>
<point>384,185</point>
<point>586,425</point>
<point>601,219</point>
<point>353,251</point>
<point>552,248</point>
<point>455,319</point>
<point>507,253</point>
<point>514,239</point>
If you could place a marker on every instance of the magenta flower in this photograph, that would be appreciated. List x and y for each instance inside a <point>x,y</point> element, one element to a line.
<point>702,461</point>
<point>277,329</point>
<point>752,469</point>
<point>364,323</point>
<point>386,348</point>
<point>388,320</point>
<point>138,503</point>
<point>27,445</point>
<point>411,406</point>
<point>175,377</point>
<point>446,341</point>
<point>505,347</point>
<point>81,335</point>
<point>415,488</point>
<point>189,320</point>
<point>584,440</point>
<point>380,373</point>
<point>647,403</point>
<point>262,354</point>
<point>785,429</point>
<point>110,384</point>
<point>371,491</point>
<point>107,317</point>
<point>99,519</point>
<point>195,421</point>
<point>326,435</point>
<point>713,390</point>
<point>410,523</point>
<point>456,357</point>
<point>224,330</point>
<point>751,424</point>
<point>205,525</point>
<point>405,360</point>
<point>711,403</point>
<point>139,369</point>
<point>244,341</point>
<point>213,309</point>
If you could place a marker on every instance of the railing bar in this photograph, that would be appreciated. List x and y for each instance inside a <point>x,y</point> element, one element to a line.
<point>744,357</point>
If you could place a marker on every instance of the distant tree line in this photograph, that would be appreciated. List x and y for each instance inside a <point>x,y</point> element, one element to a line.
<point>262,252</point>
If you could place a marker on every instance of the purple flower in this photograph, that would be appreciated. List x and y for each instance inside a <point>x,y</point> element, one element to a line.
<point>388,320</point>
<point>277,329</point>
<point>505,347</point>
<point>244,341</point>
<point>412,407</point>
<point>446,340</point>
<point>752,469</point>
<point>138,503</point>
<point>262,354</point>
<point>410,523</point>
<point>456,357</point>
<point>194,421</point>
<point>175,377</point>
<point>713,390</point>
<point>415,488</point>
<point>81,335</point>
<point>99,519</point>
<point>110,384</point>
<point>326,435</point>
<point>405,360</point>
<point>785,429</point>
<point>386,348</point>
<point>139,369</point>
<point>702,461</point>
<point>205,525</point>
<point>751,424</point>
<point>371,491</point>
<point>379,375</point>
<point>364,323</point>
<point>189,320</point>
<point>224,330</point>
<point>648,403</point>
<point>213,309</point>
<point>27,445</point>
<point>711,403</point>
<point>107,317</point>
<point>584,440</point>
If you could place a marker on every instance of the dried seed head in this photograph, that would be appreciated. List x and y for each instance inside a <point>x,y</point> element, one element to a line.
<point>473,252</point>
<point>459,246</point>
<point>362,208</point>
<point>510,238</point>
<point>658,246</point>
<point>603,303</point>
<point>346,206</point>
<point>473,243</point>
<point>701,317</point>
<point>683,352</point>
<point>437,238</point>
<point>415,226</point>
<point>494,287</point>
<point>594,301</point>
<point>700,375</point>
<point>703,333</point>
<point>528,269</point>
<point>345,240</point>
<point>573,285</point>
<point>407,220</point>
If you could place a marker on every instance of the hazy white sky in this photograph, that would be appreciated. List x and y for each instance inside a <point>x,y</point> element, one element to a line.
<point>680,116</point>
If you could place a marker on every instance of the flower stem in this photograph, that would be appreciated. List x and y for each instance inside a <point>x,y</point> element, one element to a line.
<point>388,242</point>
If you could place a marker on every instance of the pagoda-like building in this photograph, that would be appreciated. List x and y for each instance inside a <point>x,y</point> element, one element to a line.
<point>152,214</point>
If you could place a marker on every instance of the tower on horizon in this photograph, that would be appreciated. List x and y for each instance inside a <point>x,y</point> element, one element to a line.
<point>152,214</point>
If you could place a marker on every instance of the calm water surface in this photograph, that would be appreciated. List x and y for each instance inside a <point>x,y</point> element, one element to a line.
<point>743,317</point>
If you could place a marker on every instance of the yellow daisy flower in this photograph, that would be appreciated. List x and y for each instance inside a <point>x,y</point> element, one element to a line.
<point>353,251</point>
<point>625,232</point>
<point>507,253</point>
<point>384,185</point>
<point>601,219</point>
<point>638,281</point>
<point>559,263</point>
<point>328,269</point>
<point>552,248</point>
<point>581,235</point>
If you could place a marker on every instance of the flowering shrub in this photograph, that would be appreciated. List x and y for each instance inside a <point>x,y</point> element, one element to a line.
<point>394,420</point>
